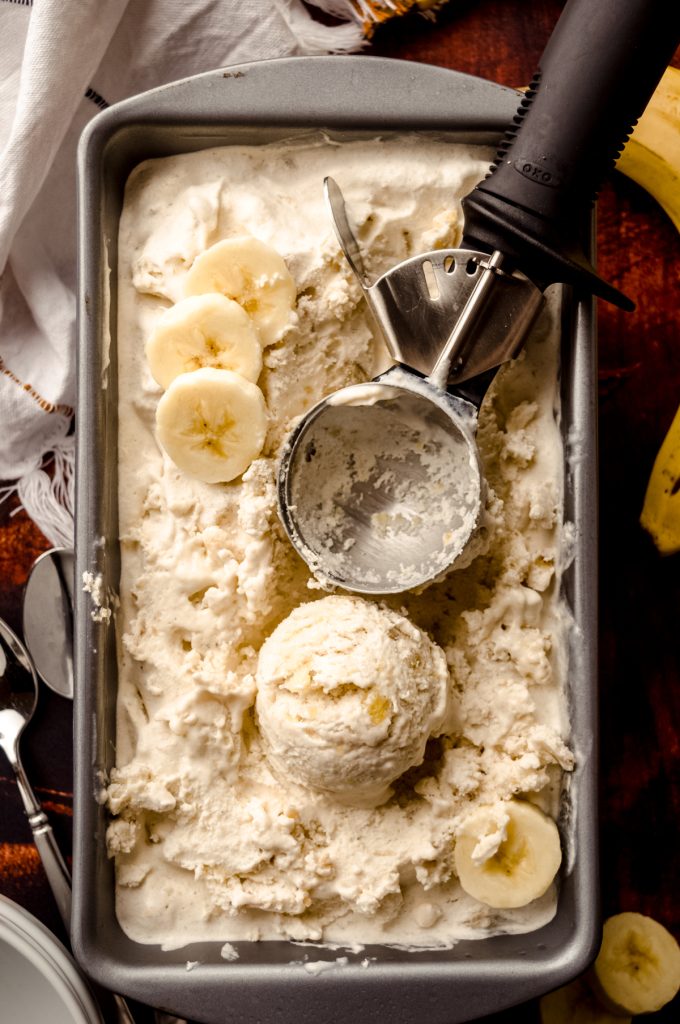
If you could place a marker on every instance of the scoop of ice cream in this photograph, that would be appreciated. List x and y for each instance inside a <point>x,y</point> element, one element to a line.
<point>348,694</point>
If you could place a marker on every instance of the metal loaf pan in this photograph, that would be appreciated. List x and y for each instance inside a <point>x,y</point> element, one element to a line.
<point>349,97</point>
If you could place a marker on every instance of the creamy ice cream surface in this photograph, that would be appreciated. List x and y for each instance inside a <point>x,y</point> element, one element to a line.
<point>292,763</point>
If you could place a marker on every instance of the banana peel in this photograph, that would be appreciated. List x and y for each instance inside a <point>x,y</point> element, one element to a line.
<point>661,509</point>
<point>651,157</point>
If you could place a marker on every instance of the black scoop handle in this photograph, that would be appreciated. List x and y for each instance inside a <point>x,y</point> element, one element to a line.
<point>597,73</point>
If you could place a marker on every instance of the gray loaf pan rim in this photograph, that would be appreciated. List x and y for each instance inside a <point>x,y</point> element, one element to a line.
<point>349,97</point>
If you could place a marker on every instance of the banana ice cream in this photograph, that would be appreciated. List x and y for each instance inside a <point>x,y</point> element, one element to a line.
<point>348,694</point>
<point>292,763</point>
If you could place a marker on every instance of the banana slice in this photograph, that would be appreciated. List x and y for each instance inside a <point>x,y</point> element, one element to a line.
<point>576,1004</point>
<point>204,330</point>
<point>212,424</point>
<point>252,274</point>
<point>517,867</point>
<point>638,967</point>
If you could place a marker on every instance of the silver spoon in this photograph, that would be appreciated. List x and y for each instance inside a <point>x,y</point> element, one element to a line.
<point>18,700</point>
<point>48,619</point>
<point>48,630</point>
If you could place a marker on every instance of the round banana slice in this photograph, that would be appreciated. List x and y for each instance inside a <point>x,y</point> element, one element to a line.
<point>576,1004</point>
<point>517,867</point>
<point>212,424</point>
<point>251,273</point>
<point>204,331</point>
<point>638,967</point>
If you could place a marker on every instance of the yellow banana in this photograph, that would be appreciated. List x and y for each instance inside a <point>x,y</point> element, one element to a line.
<point>661,509</point>
<point>651,156</point>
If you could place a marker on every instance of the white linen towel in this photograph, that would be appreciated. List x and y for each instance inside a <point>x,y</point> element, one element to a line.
<point>60,62</point>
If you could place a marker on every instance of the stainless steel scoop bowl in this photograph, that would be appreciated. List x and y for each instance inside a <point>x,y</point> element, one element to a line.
<point>380,485</point>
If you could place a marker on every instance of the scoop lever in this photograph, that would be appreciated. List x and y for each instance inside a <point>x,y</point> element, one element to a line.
<point>417,303</point>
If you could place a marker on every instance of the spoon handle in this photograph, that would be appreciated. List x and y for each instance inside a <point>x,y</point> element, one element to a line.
<point>55,868</point>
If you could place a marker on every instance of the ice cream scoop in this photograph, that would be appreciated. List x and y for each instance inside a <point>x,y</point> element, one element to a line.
<point>380,486</point>
<point>457,314</point>
<point>348,694</point>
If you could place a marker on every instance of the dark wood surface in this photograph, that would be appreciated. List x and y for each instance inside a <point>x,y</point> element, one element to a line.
<point>639,360</point>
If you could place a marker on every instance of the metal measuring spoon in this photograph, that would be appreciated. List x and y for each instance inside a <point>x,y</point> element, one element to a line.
<point>18,701</point>
<point>48,619</point>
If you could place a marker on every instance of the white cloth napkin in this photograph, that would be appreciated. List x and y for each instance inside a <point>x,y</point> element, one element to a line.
<point>61,61</point>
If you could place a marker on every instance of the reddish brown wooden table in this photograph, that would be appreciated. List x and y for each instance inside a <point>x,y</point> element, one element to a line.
<point>639,360</point>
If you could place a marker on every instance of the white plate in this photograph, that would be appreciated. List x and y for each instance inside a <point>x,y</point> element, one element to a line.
<point>39,981</point>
